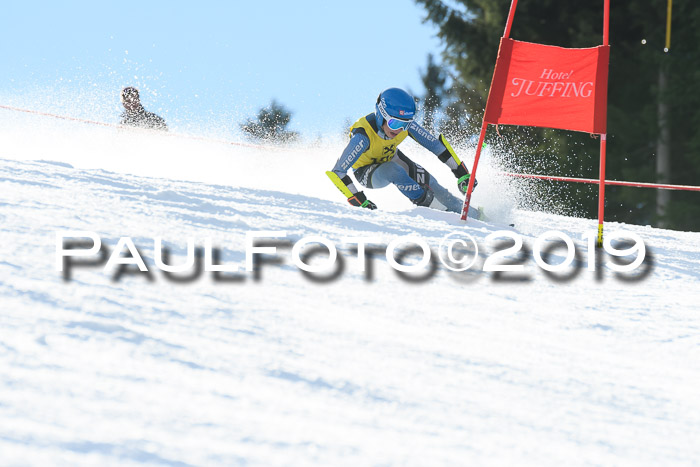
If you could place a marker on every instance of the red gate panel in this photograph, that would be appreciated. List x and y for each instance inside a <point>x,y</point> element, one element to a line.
<point>548,86</point>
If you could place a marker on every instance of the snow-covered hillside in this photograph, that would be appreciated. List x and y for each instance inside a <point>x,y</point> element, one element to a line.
<point>274,368</point>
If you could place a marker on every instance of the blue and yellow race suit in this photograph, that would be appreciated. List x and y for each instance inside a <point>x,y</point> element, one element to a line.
<point>369,149</point>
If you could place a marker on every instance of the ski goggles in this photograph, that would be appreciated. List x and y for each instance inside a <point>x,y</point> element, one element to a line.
<point>392,122</point>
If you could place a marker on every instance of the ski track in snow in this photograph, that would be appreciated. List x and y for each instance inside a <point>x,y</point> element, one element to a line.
<point>457,369</point>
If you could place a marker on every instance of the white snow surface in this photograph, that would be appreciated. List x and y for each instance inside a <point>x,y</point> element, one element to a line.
<point>366,369</point>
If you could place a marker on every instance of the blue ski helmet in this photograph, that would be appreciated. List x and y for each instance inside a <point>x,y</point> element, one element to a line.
<point>397,107</point>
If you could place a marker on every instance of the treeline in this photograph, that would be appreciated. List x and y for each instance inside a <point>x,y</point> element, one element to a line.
<point>653,100</point>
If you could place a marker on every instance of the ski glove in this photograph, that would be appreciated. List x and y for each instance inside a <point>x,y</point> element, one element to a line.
<point>462,175</point>
<point>360,200</point>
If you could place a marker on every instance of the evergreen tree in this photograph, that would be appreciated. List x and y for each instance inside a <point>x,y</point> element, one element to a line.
<point>434,79</point>
<point>270,124</point>
<point>471,31</point>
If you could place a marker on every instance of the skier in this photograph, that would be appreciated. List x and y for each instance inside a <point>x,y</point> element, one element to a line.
<point>135,115</point>
<point>377,162</point>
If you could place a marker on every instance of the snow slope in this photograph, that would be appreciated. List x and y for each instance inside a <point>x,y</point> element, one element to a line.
<point>368,368</point>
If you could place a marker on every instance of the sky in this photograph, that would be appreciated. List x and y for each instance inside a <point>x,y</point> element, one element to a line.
<point>213,64</point>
